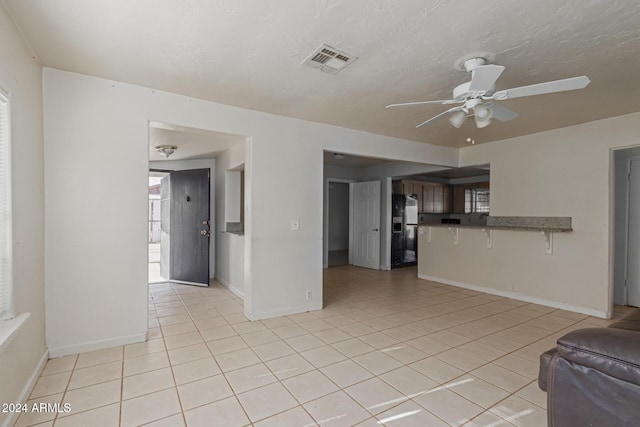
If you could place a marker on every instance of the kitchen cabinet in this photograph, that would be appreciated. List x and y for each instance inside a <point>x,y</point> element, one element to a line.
<point>447,199</point>
<point>438,198</point>
<point>407,188</point>
<point>427,198</point>
<point>417,190</point>
<point>458,200</point>
<point>432,197</point>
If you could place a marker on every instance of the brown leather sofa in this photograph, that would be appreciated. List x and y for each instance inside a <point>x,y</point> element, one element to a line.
<point>592,377</point>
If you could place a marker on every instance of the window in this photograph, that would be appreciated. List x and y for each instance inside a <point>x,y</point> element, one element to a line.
<point>5,210</point>
<point>476,200</point>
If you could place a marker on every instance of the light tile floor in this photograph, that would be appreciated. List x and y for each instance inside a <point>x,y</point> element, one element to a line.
<point>387,349</point>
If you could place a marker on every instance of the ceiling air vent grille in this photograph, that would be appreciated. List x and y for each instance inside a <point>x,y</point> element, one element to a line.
<point>328,59</point>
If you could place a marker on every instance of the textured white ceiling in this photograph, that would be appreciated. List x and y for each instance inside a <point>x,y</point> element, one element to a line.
<point>192,143</point>
<point>349,161</point>
<point>248,53</point>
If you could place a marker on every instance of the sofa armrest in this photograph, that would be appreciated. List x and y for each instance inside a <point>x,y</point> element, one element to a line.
<point>614,352</point>
<point>545,361</point>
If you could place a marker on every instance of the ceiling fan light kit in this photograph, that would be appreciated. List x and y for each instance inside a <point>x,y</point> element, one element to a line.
<point>457,119</point>
<point>482,114</point>
<point>476,96</point>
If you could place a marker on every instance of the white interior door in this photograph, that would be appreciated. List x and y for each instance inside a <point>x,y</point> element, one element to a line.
<point>365,198</point>
<point>633,242</point>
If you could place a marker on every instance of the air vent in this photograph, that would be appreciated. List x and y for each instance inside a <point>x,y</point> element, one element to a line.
<point>328,59</point>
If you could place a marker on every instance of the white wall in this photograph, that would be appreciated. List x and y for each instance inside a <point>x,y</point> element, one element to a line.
<point>233,190</point>
<point>564,172</point>
<point>230,259</point>
<point>338,172</point>
<point>21,77</point>
<point>399,169</point>
<point>177,165</point>
<point>90,279</point>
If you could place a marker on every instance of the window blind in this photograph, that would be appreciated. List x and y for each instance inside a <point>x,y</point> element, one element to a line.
<point>5,210</point>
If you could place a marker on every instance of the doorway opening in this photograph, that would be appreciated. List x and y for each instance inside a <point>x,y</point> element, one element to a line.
<point>156,264</point>
<point>626,225</point>
<point>188,244</point>
<point>338,224</point>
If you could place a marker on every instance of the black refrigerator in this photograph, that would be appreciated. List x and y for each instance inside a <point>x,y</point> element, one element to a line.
<point>404,230</point>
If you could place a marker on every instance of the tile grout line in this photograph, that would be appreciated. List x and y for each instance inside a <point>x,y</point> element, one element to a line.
<point>66,389</point>
<point>173,376</point>
<point>391,311</point>
<point>221,373</point>
<point>121,390</point>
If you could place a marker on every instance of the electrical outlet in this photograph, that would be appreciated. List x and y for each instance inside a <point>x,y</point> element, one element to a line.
<point>513,286</point>
<point>295,224</point>
<point>308,295</point>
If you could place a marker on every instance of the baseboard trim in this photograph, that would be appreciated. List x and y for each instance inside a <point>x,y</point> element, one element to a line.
<point>184,282</point>
<point>229,286</point>
<point>28,388</point>
<point>520,297</point>
<point>96,345</point>
<point>285,312</point>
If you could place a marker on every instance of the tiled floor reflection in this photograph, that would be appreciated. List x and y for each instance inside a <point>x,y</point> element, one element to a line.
<point>388,349</point>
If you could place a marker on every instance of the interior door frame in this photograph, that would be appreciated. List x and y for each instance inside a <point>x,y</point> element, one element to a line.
<point>325,232</point>
<point>627,208</point>
<point>149,171</point>
<point>619,193</point>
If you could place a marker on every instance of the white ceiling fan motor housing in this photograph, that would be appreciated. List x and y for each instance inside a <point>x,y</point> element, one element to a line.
<point>461,92</point>
<point>473,63</point>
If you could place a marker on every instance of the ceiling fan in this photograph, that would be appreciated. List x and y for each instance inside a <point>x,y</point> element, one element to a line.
<point>477,96</point>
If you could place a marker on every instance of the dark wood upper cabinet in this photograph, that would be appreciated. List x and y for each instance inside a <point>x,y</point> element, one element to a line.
<point>458,200</point>
<point>434,198</point>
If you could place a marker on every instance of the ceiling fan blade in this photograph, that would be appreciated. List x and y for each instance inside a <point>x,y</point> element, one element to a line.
<point>484,77</point>
<point>572,83</point>
<point>405,104</point>
<point>440,116</point>
<point>503,113</point>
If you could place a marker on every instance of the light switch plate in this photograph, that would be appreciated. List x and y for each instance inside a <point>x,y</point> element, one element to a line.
<point>295,224</point>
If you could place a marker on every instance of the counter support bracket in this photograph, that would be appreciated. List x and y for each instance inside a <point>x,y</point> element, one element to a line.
<point>548,238</point>
<point>489,233</point>
<point>455,232</point>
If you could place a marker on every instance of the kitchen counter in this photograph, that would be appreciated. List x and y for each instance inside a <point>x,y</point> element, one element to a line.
<point>525,258</point>
<point>515,223</point>
<point>498,227</point>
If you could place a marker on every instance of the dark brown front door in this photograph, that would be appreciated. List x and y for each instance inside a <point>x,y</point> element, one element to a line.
<point>189,226</point>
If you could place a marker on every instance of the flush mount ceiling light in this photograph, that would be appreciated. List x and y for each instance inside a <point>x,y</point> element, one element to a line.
<point>338,156</point>
<point>166,150</point>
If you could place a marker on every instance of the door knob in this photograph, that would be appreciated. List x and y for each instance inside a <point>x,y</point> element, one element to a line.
<point>375,229</point>
<point>206,233</point>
